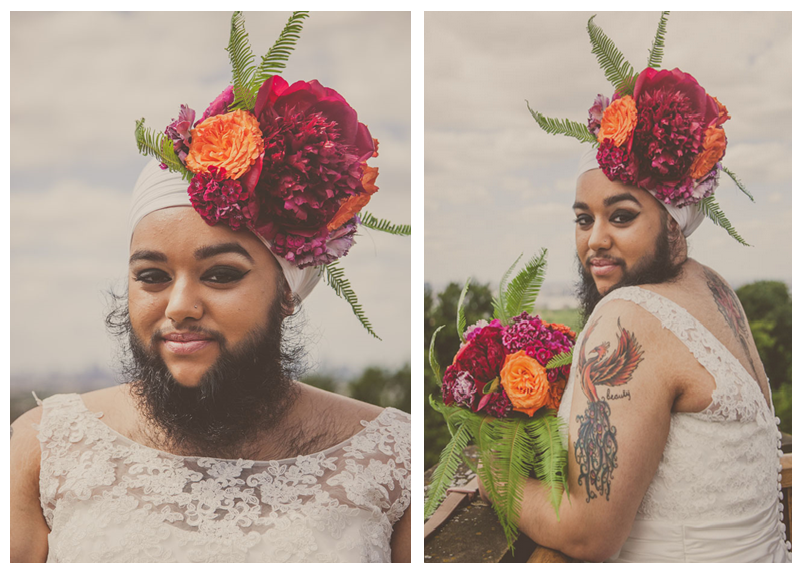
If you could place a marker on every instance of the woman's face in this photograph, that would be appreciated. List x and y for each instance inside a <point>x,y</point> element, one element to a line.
<point>617,228</point>
<point>194,287</point>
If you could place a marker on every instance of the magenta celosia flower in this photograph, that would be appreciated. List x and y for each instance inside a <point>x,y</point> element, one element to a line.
<point>616,163</point>
<point>315,147</point>
<point>218,199</point>
<point>220,105</point>
<point>179,131</point>
<point>596,113</point>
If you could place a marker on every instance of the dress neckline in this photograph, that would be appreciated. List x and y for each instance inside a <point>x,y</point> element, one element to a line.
<point>367,425</point>
<point>724,351</point>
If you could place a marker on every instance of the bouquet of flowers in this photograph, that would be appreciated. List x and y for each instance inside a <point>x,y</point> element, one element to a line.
<point>502,392</point>
<point>288,162</point>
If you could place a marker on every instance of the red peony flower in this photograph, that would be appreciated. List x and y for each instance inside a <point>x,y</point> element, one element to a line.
<point>483,357</point>
<point>672,112</point>
<point>315,152</point>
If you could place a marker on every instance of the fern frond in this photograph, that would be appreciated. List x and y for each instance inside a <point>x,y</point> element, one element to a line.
<point>509,453</point>
<point>242,60</point>
<point>656,52</point>
<point>553,126</point>
<point>560,360</point>
<point>710,208</point>
<point>738,183</point>
<point>160,146</point>
<point>274,60</point>
<point>335,278</point>
<point>522,291</point>
<point>616,69</point>
<point>434,362</point>
<point>550,457</point>
<point>446,470</point>
<point>461,321</point>
<point>499,302</point>
<point>384,225</point>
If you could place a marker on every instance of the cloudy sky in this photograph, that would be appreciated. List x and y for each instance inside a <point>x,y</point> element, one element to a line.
<point>78,83</point>
<point>497,185</point>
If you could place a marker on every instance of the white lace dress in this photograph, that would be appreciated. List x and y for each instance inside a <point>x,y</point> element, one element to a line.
<point>716,496</point>
<point>108,499</point>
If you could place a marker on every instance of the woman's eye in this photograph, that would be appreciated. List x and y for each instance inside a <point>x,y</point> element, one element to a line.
<point>583,220</point>
<point>623,217</point>
<point>152,276</point>
<point>223,275</point>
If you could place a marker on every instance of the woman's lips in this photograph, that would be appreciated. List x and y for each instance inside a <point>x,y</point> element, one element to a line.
<point>184,343</point>
<point>602,267</point>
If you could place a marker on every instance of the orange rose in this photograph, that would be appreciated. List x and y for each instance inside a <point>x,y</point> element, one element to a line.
<point>618,121</point>
<point>723,115</point>
<point>525,382</point>
<point>715,143</point>
<point>231,141</point>
<point>555,393</point>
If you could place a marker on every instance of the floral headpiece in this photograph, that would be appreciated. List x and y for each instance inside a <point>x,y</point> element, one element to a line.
<point>288,162</point>
<point>660,130</point>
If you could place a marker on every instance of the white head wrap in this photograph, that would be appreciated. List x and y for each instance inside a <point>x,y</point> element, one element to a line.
<point>688,217</point>
<point>156,189</point>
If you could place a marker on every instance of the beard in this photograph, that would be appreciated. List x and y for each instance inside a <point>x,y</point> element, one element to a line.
<point>243,395</point>
<point>656,268</point>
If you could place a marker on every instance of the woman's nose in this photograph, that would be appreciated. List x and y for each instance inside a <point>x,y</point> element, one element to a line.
<point>599,237</point>
<point>184,302</point>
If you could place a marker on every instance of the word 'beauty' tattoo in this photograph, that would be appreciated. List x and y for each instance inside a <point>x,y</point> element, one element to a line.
<point>730,308</point>
<point>596,449</point>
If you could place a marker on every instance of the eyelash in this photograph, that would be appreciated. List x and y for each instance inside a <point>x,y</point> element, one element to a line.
<point>583,219</point>
<point>156,276</point>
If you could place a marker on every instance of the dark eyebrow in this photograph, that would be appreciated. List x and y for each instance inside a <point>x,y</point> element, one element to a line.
<point>148,255</point>
<point>626,196</point>
<point>620,198</point>
<point>215,249</point>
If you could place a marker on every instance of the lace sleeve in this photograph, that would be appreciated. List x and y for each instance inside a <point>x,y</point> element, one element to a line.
<point>397,425</point>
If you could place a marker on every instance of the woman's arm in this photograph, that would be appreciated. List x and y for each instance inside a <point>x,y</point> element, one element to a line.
<point>620,417</point>
<point>29,531</point>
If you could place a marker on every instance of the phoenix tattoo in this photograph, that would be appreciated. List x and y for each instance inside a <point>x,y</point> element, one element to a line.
<point>596,449</point>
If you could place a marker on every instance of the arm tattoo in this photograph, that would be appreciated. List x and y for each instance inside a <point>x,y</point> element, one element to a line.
<point>596,449</point>
<point>730,308</point>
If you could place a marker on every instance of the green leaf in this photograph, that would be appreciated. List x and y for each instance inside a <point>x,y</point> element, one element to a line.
<point>560,360</point>
<point>461,321</point>
<point>160,146</point>
<point>737,182</point>
<point>446,469</point>
<point>434,362</point>
<point>553,126</point>
<point>656,52</point>
<point>499,303</point>
<point>523,290</point>
<point>242,60</point>
<point>384,225</point>
<point>492,385</point>
<point>550,461</point>
<point>334,277</point>
<point>274,60</point>
<point>616,69</point>
<point>710,208</point>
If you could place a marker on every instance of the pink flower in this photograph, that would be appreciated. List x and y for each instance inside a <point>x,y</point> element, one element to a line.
<point>220,105</point>
<point>179,131</point>
<point>596,113</point>
<point>616,162</point>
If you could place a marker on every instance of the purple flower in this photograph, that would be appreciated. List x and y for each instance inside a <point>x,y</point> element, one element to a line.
<point>179,131</point>
<point>464,389</point>
<point>473,330</point>
<point>498,404</point>
<point>688,191</point>
<point>523,331</point>
<point>220,105</point>
<point>596,113</point>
